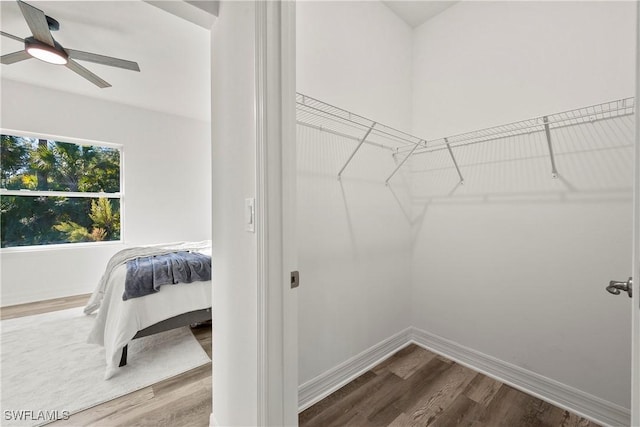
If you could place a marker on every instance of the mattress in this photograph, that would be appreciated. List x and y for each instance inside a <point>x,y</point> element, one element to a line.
<point>118,321</point>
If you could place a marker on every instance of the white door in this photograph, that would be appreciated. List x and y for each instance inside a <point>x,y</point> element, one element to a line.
<point>635,316</point>
<point>631,286</point>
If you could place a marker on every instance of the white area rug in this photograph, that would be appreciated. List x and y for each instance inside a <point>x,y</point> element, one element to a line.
<point>46,365</point>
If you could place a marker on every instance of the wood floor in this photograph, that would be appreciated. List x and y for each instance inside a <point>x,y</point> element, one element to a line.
<point>415,387</point>
<point>184,400</point>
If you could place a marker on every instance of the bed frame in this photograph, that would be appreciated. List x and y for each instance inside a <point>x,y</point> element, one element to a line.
<point>185,319</point>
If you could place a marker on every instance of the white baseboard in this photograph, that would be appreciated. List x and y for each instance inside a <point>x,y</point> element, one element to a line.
<point>46,293</point>
<point>554,392</point>
<point>558,394</point>
<point>323,385</point>
<point>212,421</point>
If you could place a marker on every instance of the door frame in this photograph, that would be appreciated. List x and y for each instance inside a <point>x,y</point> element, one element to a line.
<point>277,369</point>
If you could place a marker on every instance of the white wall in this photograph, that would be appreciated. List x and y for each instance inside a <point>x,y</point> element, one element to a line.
<point>167,184</point>
<point>514,264</point>
<point>234,250</point>
<point>354,251</point>
<point>355,55</point>
<point>479,64</point>
<point>353,235</point>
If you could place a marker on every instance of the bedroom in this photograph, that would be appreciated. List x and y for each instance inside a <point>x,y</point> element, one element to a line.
<point>158,119</point>
<point>368,272</point>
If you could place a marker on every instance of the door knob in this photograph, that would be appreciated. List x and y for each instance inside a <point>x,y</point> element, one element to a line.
<point>615,287</point>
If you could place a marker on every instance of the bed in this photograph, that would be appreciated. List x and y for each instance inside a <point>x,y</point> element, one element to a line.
<point>118,322</point>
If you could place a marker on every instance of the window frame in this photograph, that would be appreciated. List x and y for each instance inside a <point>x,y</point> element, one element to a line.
<point>69,194</point>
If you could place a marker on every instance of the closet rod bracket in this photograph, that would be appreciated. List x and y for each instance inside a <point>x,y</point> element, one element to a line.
<point>364,138</point>
<point>455,163</point>
<point>547,131</point>
<point>418,144</point>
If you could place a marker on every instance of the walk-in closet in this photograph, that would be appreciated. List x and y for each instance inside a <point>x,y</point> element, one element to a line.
<point>466,184</point>
<point>447,185</point>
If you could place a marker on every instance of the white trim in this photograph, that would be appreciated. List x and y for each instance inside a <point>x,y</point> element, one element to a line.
<point>561,395</point>
<point>261,215</point>
<point>289,173</point>
<point>275,126</point>
<point>195,12</point>
<point>324,384</point>
<point>59,138</point>
<point>72,194</point>
<point>43,294</point>
<point>635,261</point>
<point>275,143</point>
<point>60,246</point>
<point>547,389</point>
<point>212,421</point>
<point>37,193</point>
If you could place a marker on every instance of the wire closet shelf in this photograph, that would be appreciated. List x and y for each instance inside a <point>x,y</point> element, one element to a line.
<point>319,115</point>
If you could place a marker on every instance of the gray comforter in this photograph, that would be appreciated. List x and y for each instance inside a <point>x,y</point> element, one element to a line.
<point>145,275</point>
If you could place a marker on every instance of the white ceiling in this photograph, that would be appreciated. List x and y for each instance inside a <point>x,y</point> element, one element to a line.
<point>173,54</point>
<point>416,13</point>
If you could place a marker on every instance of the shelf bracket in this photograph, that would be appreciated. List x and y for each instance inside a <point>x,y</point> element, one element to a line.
<point>547,131</point>
<point>356,150</point>
<point>455,163</point>
<point>386,182</point>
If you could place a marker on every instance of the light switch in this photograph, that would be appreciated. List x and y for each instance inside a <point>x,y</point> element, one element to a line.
<point>250,215</point>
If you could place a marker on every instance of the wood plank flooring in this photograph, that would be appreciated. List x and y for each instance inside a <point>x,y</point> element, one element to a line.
<point>416,387</point>
<point>184,400</point>
<point>40,307</point>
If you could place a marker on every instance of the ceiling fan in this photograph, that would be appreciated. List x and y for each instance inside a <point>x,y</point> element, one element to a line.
<point>43,46</point>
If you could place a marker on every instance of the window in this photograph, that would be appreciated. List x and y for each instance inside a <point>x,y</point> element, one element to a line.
<point>55,192</point>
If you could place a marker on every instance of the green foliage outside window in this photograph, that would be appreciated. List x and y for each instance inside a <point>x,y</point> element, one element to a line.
<point>53,166</point>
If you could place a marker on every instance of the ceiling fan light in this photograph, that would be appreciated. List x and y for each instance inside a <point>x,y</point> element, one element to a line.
<point>46,53</point>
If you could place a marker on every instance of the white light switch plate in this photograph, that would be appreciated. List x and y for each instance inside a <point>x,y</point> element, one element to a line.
<point>250,215</point>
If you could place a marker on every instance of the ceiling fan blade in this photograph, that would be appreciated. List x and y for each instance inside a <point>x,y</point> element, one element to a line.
<point>11,36</point>
<point>79,69</point>
<point>104,60</point>
<point>37,22</point>
<point>14,57</point>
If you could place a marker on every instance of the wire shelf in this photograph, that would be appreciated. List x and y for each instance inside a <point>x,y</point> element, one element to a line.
<point>319,115</point>
<point>322,116</point>
<point>607,110</point>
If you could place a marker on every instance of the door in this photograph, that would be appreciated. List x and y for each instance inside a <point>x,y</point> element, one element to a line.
<point>635,315</point>
<point>631,286</point>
